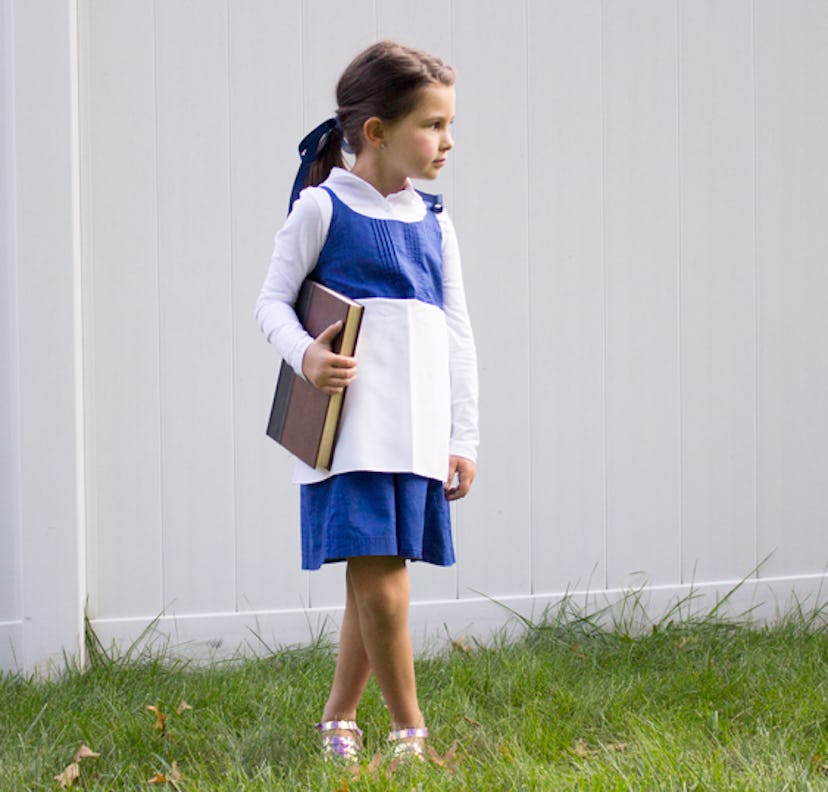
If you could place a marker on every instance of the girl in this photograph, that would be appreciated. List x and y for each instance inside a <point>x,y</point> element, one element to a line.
<point>408,434</point>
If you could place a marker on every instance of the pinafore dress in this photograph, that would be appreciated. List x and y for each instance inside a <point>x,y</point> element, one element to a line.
<point>377,512</point>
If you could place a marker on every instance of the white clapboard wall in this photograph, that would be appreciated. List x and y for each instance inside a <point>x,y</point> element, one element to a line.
<point>639,190</point>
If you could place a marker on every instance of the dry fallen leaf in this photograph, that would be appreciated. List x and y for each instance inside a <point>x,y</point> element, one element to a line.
<point>576,647</point>
<point>160,719</point>
<point>173,778</point>
<point>71,773</point>
<point>182,707</point>
<point>85,752</point>
<point>616,747</point>
<point>471,721</point>
<point>69,776</point>
<point>371,770</point>
<point>450,761</point>
<point>582,750</point>
<point>461,645</point>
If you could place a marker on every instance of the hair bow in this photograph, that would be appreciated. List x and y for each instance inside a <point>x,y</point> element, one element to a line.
<point>309,150</point>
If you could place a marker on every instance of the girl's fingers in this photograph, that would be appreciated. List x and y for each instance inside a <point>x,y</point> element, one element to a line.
<point>324,369</point>
<point>449,485</point>
<point>334,386</point>
<point>327,336</point>
<point>463,471</point>
<point>344,375</point>
<point>334,380</point>
<point>338,362</point>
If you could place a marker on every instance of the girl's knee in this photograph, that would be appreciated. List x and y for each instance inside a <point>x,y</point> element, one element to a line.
<point>381,588</point>
<point>384,606</point>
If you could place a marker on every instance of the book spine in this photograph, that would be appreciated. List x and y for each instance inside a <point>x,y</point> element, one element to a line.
<point>348,338</point>
<point>326,444</point>
<point>350,331</point>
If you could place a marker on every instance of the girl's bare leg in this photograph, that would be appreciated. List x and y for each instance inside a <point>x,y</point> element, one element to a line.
<point>352,665</point>
<point>381,590</point>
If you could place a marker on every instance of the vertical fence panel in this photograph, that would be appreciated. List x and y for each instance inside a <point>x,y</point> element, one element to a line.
<point>718,317</point>
<point>10,606</point>
<point>492,225</point>
<point>792,249</point>
<point>124,410</point>
<point>265,127</point>
<point>641,238</point>
<point>567,295</point>
<point>47,269</point>
<point>196,322</point>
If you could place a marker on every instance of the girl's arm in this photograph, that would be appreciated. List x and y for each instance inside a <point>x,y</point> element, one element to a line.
<point>295,252</point>
<point>463,364</point>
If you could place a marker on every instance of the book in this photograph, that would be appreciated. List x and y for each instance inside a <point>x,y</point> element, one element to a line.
<point>303,419</point>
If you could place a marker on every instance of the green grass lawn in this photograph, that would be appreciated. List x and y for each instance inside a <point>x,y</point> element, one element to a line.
<point>696,705</point>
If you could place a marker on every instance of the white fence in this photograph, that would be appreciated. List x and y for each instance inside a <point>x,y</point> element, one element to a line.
<point>640,191</point>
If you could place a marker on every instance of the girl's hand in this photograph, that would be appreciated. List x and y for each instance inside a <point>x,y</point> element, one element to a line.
<point>325,370</point>
<point>463,470</point>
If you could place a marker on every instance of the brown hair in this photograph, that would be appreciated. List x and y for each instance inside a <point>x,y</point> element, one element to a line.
<point>383,81</point>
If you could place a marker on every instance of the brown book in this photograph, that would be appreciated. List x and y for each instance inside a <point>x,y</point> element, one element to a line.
<point>303,419</point>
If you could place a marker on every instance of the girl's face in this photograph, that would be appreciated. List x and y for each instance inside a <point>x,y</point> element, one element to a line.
<point>416,145</point>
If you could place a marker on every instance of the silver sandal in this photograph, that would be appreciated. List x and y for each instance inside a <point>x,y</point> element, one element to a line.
<point>408,743</point>
<point>345,744</point>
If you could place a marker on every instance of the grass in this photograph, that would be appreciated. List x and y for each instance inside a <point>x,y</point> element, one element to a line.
<point>698,703</point>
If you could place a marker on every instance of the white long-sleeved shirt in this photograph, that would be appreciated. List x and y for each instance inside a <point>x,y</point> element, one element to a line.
<point>404,331</point>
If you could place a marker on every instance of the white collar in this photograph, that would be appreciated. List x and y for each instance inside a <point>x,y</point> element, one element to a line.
<point>354,186</point>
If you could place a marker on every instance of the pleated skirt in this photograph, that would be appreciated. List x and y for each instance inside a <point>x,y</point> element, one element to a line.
<point>375,514</point>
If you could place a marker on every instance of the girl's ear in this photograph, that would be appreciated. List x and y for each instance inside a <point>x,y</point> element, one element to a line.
<point>373,132</point>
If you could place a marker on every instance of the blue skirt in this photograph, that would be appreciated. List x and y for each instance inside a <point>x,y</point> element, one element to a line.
<point>375,514</point>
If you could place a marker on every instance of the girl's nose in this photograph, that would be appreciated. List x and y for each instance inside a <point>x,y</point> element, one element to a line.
<point>448,141</point>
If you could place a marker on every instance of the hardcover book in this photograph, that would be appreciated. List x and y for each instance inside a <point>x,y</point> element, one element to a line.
<point>303,419</point>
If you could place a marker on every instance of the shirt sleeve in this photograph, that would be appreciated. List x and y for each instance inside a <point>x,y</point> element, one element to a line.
<point>465,434</point>
<point>296,249</point>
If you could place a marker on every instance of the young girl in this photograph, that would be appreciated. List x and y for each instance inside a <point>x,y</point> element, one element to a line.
<point>408,434</point>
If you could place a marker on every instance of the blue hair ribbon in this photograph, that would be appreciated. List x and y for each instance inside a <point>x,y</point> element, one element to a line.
<point>309,150</point>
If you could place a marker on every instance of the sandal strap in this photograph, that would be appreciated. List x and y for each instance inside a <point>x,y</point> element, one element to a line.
<point>336,725</point>
<point>407,734</point>
<point>408,744</point>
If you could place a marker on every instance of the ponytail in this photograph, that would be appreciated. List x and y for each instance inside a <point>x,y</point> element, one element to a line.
<point>319,151</point>
<point>328,158</point>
